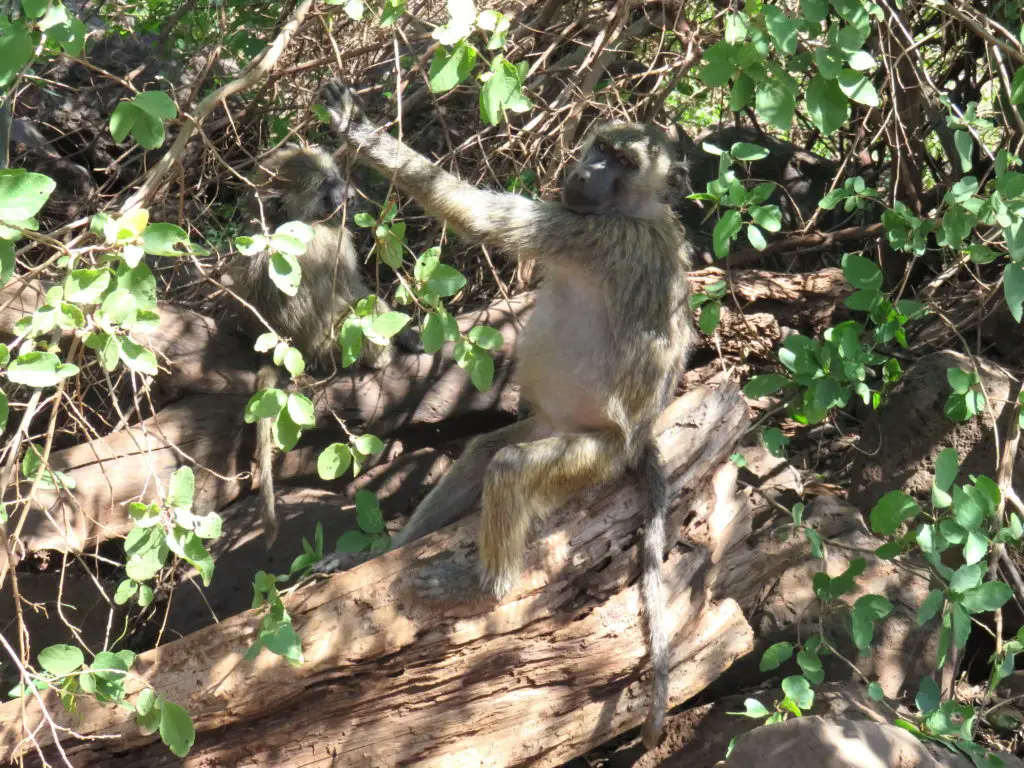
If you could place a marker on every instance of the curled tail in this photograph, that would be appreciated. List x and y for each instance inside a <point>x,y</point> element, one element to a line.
<point>652,590</point>
<point>266,379</point>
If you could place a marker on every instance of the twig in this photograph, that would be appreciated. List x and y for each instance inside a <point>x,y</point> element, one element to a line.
<point>252,74</point>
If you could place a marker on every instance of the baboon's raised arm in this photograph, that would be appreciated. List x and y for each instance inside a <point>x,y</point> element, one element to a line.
<point>519,226</point>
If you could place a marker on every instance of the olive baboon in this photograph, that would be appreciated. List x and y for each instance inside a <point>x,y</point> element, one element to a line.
<point>303,184</point>
<point>598,360</point>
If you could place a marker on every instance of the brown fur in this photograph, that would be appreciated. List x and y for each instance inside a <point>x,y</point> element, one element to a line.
<point>302,184</point>
<point>600,356</point>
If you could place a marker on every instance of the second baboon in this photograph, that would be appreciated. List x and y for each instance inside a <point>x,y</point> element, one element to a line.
<point>302,184</point>
<point>599,358</point>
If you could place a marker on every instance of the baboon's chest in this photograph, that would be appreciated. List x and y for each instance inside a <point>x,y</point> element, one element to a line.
<point>564,352</point>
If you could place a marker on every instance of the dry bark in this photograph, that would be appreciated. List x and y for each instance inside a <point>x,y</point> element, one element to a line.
<point>388,679</point>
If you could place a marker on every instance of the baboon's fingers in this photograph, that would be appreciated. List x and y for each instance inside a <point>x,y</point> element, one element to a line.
<point>341,104</point>
<point>341,561</point>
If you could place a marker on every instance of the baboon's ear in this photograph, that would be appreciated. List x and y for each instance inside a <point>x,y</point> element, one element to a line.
<point>678,180</point>
<point>679,141</point>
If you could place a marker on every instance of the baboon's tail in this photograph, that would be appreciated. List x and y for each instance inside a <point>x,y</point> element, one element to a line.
<point>652,590</point>
<point>266,379</point>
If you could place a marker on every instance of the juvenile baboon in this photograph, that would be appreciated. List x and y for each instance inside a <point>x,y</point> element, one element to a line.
<point>598,360</point>
<point>303,184</point>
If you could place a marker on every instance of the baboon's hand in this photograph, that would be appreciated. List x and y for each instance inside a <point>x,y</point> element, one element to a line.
<point>408,340</point>
<point>341,561</point>
<point>342,105</point>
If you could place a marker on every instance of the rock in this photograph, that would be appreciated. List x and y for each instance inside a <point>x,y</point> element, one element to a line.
<point>901,440</point>
<point>843,743</point>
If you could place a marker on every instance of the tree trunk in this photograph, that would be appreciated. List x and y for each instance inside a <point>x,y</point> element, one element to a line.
<point>556,668</point>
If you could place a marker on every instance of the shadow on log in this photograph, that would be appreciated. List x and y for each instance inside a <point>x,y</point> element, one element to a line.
<point>387,679</point>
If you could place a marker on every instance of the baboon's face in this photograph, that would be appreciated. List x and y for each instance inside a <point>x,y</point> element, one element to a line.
<point>624,169</point>
<point>306,183</point>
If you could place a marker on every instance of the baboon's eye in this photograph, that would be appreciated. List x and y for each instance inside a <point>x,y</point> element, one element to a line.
<point>625,162</point>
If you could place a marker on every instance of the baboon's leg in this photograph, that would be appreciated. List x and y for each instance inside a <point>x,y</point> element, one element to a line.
<point>460,488</point>
<point>528,481</point>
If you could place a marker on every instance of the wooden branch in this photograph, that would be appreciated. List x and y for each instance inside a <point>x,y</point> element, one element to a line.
<point>388,679</point>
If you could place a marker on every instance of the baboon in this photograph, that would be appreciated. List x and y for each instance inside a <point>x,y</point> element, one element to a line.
<point>600,356</point>
<point>303,184</point>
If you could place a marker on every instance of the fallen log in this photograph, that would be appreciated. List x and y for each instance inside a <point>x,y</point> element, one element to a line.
<point>387,679</point>
<point>207,432</point>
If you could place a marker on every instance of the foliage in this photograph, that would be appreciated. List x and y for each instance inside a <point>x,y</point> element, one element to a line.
<point>945,196</point>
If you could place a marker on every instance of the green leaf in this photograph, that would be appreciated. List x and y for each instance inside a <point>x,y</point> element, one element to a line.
<point>891,511</point>
<point>35,369</point>
<point>1016,88</point>
<point>1013,289</point>
<point>449,68</point>
<point>827,105</point>
<point>775,441</point>
<point>138,358</point>
<point>753,709</point>
<point>866,611</point>
<point>709,317</point>
<point>502,91</point>
<point>265,404</point>
<point>762,386</point>
<point>928,697</point>
<point>85,286</point>
<point>781,28</point>
<point>946,468</point>
<point>300,410</point>
<point>861,61</point>
<point>285,272</point>
<point>861,272</point>
<point>125,591</point>
<point>964,148</point>
<point>22,194</point>
<point>775,656</point>
<point>176,728</point>
<point>368,445</point>
<point>776,104</point>
<point>16,49</point>
<point>108,666</point>
<point>735,28</point>
<point>485,337</point>
<point>388,324</point>
<point>814,11</point>
<point>7,262</point>
<point>156,103</point>
<point>858,87</point>
<point>875,691</point>
<point>747,152</point>
<point>481,370</point>
<point>799,690</point>
<point>444,281</point>
<point>432,333</point>
<point>368,514</point>
<point>181,490</point>
<point>959,380</point>
<point>144,703</point>
<point>61,659</point>
<point>334,461</point>
<point>352,541</point>
<point>725,230</point>
<point>768,217</point>
<point>989,596</point>
<point>161,238</point>
<point>975,548</point>
<point>742,89</point>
